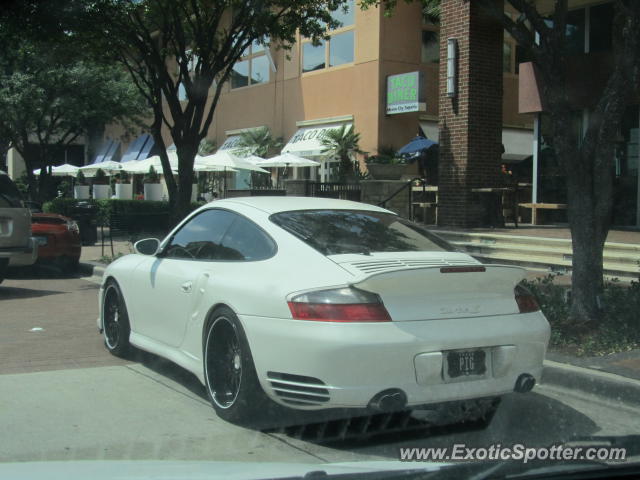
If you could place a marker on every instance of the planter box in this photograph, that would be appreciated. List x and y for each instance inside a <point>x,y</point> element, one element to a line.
<point>101,192</point>
<point>153,191</point>
<point>385,171</point>
<point>124,191</point>
<point>81,192</point>
<point>194,193</point>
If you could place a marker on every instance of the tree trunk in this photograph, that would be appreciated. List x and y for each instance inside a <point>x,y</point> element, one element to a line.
<point>590,202</point>
<point>186,157</point>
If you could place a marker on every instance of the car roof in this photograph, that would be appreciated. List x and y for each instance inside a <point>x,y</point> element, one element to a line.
<point>275,204</point>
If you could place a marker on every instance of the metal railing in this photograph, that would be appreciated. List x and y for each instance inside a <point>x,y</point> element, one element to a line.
<point>343,191</point>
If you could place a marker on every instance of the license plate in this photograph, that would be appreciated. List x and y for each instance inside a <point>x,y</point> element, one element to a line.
<point>463,363</point>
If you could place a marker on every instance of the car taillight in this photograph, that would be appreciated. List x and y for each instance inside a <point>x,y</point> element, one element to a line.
<point>72,226</point>
<point>527,303</point>
<point>339,305</point>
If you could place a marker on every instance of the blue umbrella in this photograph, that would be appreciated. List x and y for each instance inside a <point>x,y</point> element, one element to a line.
<point>416,145</point>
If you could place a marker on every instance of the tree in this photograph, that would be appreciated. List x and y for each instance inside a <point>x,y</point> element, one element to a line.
<point>343,143</point>
<point>260,142</point>
<point>191,46</point>
<point>587,163</point>
<point>48,100</point>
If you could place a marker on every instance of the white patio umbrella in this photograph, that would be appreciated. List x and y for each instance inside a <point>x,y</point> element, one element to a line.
<point>253,159</point>
<point>225,159</point>
<point>288,160</point>
<point>36,172</point>
<point>142,166</point>
<point>200,167</point>
<point>65,170</point>
<point>107,167</point>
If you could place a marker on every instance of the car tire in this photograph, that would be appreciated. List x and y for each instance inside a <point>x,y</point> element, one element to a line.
<point>4,265</point>
<point>230,376</point>
<point>115,321</point>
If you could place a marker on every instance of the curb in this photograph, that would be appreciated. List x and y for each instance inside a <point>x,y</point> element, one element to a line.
<point>608,385</point>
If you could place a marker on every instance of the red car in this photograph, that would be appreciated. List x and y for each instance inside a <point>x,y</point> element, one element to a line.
<point>58,240</point>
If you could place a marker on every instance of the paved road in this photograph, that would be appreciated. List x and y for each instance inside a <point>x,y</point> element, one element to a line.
<point>62,396</point>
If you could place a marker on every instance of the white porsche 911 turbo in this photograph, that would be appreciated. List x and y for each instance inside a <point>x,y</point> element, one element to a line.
<point>316,304</point>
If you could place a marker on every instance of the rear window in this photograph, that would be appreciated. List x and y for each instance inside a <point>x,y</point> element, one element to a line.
<point>9,193</point>
<point>334,232</point>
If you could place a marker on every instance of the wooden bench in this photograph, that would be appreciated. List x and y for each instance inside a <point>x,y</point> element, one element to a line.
<point>541,206</point>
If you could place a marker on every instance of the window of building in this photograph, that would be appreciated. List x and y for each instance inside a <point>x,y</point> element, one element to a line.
<point>253,68</point>
<point>430,46</point>
<point>338,49</point>
<point>601,27</point>
<point>507,54</point>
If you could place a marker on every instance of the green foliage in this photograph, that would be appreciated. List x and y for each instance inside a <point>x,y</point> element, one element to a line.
<point>386,155</point>
<point>64,187</point>
<point>151,176</point>
<point>207,147</point>
<point>617,330</point>
<point>343,143</point>
<point>130,216</point>
<point>260,142</point>
<point>100,178</point>
<point>80,178</point>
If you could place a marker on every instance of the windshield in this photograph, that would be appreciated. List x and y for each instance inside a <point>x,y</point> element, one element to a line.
<point>334,232</point>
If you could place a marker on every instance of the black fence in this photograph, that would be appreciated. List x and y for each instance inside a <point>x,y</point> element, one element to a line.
<point>343,191</point>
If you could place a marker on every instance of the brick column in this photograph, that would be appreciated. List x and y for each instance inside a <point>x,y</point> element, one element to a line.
<point>471,122</point>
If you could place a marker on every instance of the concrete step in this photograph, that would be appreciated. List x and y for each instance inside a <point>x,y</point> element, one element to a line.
<point>565,253</point>
<point>545,254</point>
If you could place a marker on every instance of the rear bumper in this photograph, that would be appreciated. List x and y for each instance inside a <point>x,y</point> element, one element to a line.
<point>23,256</point>
<point>346,365</point>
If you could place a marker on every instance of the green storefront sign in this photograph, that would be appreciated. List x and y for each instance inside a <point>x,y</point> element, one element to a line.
<point>405,93</point>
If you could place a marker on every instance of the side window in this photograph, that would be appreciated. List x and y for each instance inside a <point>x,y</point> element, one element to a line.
<point>246,241</point>
<point>201,237</point>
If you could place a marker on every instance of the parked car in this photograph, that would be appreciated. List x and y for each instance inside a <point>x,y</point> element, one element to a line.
<point>15,225</point>
<point>317,304</point>
<point>58,240</point>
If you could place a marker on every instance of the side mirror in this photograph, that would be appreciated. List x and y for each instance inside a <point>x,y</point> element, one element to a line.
<point>147,246</point>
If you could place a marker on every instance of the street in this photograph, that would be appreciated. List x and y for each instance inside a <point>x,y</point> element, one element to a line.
<point>63,396</point>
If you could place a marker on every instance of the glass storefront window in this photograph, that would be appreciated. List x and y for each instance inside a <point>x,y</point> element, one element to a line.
<point>506,57</point>
<point>575,30</point>
<point>341,48</point>
<point>313,57</point>
<point>430,46</point>
<point>254,67</point>
<point>240,74</point>
<point>259,69</point>
<point>601,27</point>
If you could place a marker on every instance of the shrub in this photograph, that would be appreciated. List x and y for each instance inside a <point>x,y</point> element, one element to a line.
<point>619,326</point>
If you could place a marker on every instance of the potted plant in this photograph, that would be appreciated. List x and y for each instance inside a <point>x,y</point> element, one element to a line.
<point>152,186</point>
<point>101,187</point>
<point>124,188</point>
<point>386,165</point>
<point>81,189</point>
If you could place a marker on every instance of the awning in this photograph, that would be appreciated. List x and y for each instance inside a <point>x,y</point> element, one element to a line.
<point>517,143</point>
<point>306,142</point>
<point>107,151</point>
<point>139,149</point>
<point>430,129</point>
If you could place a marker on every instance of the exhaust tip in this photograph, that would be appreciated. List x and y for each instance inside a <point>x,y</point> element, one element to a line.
<point>390,400</point>
<point>524,383</point>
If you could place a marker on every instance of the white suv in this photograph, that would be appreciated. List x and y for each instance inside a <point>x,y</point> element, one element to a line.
<point>15,224</point>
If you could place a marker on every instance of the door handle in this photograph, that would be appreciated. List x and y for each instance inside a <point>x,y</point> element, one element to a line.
<point>186,287</point>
